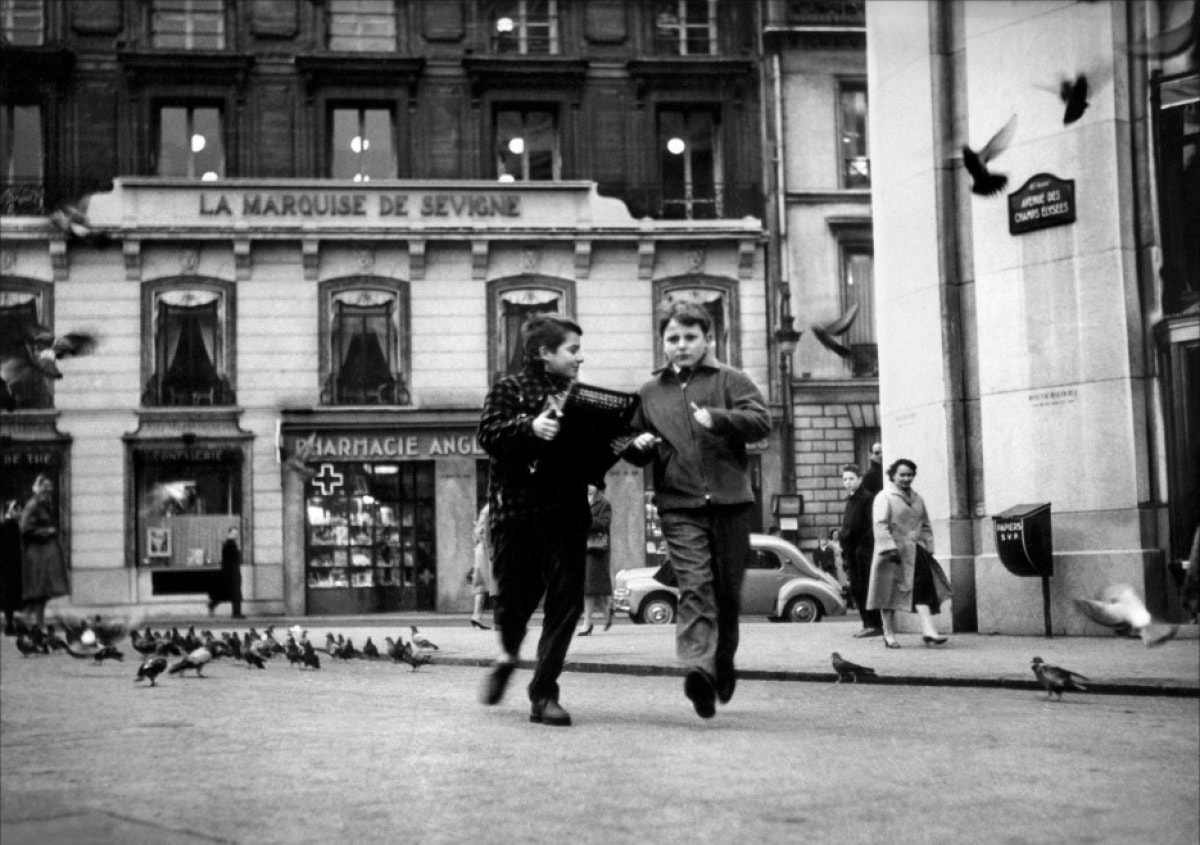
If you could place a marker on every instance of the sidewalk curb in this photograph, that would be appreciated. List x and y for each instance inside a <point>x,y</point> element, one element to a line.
<point>1150,687</point>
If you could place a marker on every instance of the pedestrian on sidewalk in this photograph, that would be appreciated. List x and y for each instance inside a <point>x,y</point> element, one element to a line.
<point>539,513</point>
<point>480,576</point>
<point>858,546</point>
<point>228,584</point>
<point>696,417</point>
<point>873,478</point>
<point>598,585</point>
<point>904,575</point>
<point>44,574</point>
<point>11,592</point>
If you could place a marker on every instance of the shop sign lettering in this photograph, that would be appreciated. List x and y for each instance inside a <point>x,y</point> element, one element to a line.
<point>367,448</point>
<point>27,459</point>
<point>341,204</point>
<point>1042,202</point>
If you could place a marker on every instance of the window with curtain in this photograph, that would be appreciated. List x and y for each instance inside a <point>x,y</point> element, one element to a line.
<point>852,126</point>
<point>22,154</point>
<point>190,143</point>
<point>365,347</point>
<point>689,164</point>
<point>23,22</point>
<point>189,353</point>
<point>516,306</point>
<point>526,27</point>
<point>362,26</point>
<point>362,145</point>
<point>526,144</point>
<point>685,27</point>
<point>858,287</point>
<point>716,303</point>
<point>188,24</point>
<point>1176,101</point>
<point>23,387</point>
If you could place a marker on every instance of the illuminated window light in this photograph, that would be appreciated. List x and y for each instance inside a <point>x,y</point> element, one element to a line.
<point>507,177</point>
<point>516,146</point>
<point>359,144</point>
<point>198,143</point>
<point>675,146</point>
<point>504,24</point>
<point>209,176</point>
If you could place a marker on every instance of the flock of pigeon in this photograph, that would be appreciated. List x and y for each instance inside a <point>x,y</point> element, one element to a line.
<point>97,640</point>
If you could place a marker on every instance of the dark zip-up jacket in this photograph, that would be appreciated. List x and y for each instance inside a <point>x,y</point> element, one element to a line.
<point>695,466</point>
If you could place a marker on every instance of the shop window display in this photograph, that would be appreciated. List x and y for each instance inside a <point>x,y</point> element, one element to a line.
<point>186,507</point>
<point>370,544</point>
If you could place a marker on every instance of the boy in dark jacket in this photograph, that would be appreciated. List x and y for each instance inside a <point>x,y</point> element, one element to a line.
<point>696,417</point>
<point>539,513</point>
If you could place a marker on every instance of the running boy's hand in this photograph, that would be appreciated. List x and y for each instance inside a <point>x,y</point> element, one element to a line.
<point>546,424</point>
<point>702,416</point>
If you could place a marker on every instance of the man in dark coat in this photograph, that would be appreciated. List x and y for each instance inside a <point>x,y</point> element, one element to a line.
<point>228,586</point>
<point>858,546</point>
<point>872,479</point>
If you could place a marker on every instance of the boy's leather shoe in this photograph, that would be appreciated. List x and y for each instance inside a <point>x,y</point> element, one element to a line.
<point>547,711</point>
<point>497,682</point>
<point>698,687</point>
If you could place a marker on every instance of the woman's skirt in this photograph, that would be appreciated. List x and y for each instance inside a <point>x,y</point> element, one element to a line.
<point>598,579</point>
<point>925,587</point>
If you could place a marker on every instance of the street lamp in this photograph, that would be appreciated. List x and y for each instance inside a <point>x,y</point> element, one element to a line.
<point>787,338</point>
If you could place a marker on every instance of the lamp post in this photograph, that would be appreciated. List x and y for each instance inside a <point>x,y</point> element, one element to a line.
<point>787,338</point>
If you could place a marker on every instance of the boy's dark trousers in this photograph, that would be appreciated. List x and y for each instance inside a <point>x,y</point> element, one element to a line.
<point>859,572</point>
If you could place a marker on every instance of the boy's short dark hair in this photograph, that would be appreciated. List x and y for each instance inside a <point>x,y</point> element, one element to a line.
<point>852,468</point>
<point>545,330</point>
<point>685,313</point>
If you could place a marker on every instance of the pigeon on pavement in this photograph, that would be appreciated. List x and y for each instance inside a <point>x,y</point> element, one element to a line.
<point>369,650</point>
<point>1056,679</point>
<point>419,640</point>
<point>151,668</point>
<point>846,669</point>
<point>196,660</point>
<point>1122,609</point>
<point>310,660</point>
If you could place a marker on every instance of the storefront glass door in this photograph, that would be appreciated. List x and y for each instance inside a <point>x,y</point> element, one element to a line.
<point>370,538</point>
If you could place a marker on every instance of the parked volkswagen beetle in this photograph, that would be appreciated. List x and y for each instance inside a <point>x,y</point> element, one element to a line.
<point>781,583</point>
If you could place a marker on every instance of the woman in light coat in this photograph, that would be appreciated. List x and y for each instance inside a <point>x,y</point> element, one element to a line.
<point>902,578</point>
<point>480,576</point>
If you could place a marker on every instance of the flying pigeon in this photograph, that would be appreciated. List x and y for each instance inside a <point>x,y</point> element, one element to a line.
<point>1074,95</point>
<point>846,669</point>
<point>36,356</point>
<point>828,333</point>
<point>983,181</point>
<point>1056,679</point>
<point>1122,609</point>
<point>419,640</point>
<point>71,219</point>
<point>196,660</point>
<point>150,669</point>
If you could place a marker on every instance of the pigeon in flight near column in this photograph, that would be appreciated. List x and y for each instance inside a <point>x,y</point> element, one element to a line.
<point>419,640</point>
<point>1122,609</point>
<point>1074,94</point>
<point>846,669</point>
<point>983,181</point>
<point>1056,679</point>
<point>828,333</point>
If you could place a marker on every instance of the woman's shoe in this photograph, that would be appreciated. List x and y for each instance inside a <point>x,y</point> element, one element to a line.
<point>586,632</point>
<point>889,642</point>
<point>931,641</point>
<point>608,621</point>
<point>475,623</point>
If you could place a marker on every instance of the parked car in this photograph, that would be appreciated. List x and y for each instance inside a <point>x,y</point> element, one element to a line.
<point>781,583</point>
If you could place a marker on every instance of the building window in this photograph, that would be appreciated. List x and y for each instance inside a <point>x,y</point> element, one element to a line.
<point>527,145</point>
<point>690,164</point>
<point>366,337</point>
<point>852,126</point>
<point>526,27</point>
<point>190,143</point>
<point>511,303</point>
<point>685,27</point>
<point>362,26</point>
<point>187,500</point>
<point>363,145</point>
<point>190,356</point>
<point>22,155</point>
<point>718,297</point>
<point>23,22</point>
<point>1177,141</point>
<point>188,24</point>
<point>858,288</point>
<point>23,314</point>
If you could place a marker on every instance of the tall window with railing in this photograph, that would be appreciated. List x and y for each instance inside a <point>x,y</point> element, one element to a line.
<point>190,142</point>
<point>855,161</point>
<point>365,336</point>
<point>23,22</point>
<point>23,314</point>
<point>22,155</point>
<point>525,27</point>
<point>190,334</point>
<point>514,307</point>
<point>188,24</point>
<point>362,26</point>
<point>689,157</point>
<point>858,288</point>
<point>526,144</point>
<point>685,27</point>
<point>363,144</point>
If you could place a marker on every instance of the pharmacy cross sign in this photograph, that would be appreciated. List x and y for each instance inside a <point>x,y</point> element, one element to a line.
<point>328,480</point>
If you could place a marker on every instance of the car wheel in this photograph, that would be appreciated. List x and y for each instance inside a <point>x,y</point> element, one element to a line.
<point>657,609</point>
<point>802,609</point>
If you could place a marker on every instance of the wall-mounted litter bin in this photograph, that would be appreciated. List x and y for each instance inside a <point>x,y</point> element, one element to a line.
<point>1026,548</point>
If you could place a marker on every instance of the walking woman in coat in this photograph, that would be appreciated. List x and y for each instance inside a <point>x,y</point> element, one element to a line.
<point>12,594</point>
<point>44,573</point>
<point>597,584</point>
<point>480,576</point>
<point>904,575</point>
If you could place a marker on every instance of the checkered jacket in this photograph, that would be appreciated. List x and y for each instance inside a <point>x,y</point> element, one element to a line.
<point>523,483</point>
